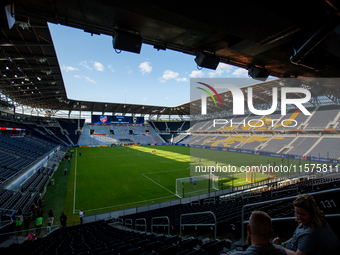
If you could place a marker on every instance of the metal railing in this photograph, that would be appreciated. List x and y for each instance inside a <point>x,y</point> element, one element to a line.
<point>128,222</point>
<point>160,225</point>
<point>198,224</point>
<point>20,236</point>
<point>141,225</point>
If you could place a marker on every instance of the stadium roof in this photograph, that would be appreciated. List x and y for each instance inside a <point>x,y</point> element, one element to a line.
<point>241,33</point>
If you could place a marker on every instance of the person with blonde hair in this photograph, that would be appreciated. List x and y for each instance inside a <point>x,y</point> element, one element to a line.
<point>313,235</point>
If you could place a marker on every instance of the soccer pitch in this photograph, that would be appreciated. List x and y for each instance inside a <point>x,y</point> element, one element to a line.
<point>112,178</point>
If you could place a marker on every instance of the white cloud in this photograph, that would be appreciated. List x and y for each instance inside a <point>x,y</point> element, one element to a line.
<point>181,79</point>
<point>221,69</point>
<point>168,75</point>
<point>240,72</point>
<point>145,67</point>
<point>90,80</point>
<point>110,67</point>
<point>86,78</point>
<point>196,74</point>
<point>84,64</point>
<point>69,68</point>
<point>98,66</point>
<point>145,99</point>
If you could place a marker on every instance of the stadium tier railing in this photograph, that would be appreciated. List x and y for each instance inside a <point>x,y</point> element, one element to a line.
<point>21,236</point>
<point>196,224</point>
<point>160,225</point>
<point>141,224</point>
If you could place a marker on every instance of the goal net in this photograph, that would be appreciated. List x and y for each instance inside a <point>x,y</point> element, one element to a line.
<point>199,184</point>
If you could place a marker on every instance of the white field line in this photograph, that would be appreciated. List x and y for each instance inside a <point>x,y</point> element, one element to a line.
<point>148,200</point>
<point>166,171</point>
<point>75,182</point>
<point>160,185</point>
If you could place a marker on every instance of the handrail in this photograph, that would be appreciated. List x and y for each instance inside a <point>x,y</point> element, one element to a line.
<point>280,199</point>
<point>128,224</point>
<point>160,225</point>
<point>120,221</point>
<point>15,234</point>
<point>199,224</point>
<point>283,190</point>
<point>140,225</point>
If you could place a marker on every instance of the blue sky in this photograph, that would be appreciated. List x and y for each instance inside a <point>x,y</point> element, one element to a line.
<point>93,71</point>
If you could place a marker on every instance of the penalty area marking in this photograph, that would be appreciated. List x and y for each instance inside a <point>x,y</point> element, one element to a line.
<point>166,171</point>
<point>160,185</point>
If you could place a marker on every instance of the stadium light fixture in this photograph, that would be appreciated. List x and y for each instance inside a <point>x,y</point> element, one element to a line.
<point>207,60</point>
<point>130,42</point>
<point>258,73</point>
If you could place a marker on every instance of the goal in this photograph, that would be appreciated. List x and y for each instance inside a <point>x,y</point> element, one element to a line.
<point>185,186</point>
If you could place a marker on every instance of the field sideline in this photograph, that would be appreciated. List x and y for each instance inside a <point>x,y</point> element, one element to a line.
<point>112,178</point>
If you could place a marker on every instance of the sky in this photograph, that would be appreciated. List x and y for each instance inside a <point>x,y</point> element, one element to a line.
<point>93,71</point>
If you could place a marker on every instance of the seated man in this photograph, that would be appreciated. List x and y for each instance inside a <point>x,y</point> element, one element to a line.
<point>259,236</point>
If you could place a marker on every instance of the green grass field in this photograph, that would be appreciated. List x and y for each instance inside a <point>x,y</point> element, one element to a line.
<point>112,178</point>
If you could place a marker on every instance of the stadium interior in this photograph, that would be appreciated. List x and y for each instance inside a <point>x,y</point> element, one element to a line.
<point>301,50</point>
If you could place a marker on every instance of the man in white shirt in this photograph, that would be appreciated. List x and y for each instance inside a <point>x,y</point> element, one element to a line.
<point>81,215</point>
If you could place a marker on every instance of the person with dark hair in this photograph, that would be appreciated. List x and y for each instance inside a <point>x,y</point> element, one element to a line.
<point>313,235</point>
<point>50,217</point>
<point>31,237</point>
<point>63,219</point>
<point>81,216</point>
<point>27,223</point>
<point>18,224</point>
<point>260,233</point>
<point>19,212</point>
<point>38,224</point>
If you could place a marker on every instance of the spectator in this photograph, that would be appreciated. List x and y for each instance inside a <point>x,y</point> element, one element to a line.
<point>313,235</point>
<point>65,170</point>
<point>81,216</point>
<point>41,203</point>
<point>40,212</point>
<point>19,212</point>
<point>50,217</point>
<point>27,223</point>
<point>63,219</point>
<point>31,237</point>
<point>48,229</point>
<point>34,210</point>
<point>259,236</point>
<point>18,224</point>
<point>38,224</point>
